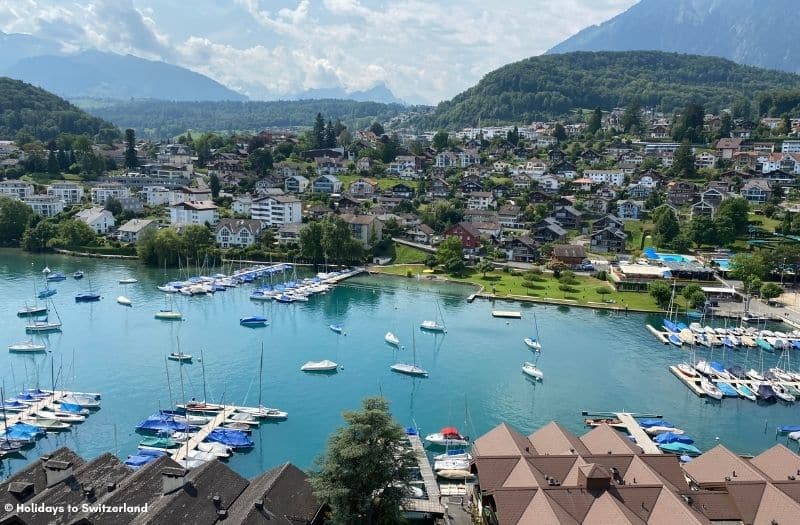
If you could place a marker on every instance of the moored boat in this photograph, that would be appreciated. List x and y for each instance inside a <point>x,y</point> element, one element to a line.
<point>27,346</point>
<point>531,370</point>
<point>391,339</point>
<point>128,280</point>
<point>746,392</point>
<point>432,326</point>
<point>32,311</point>
<point>87,297</point>
<point>336,328</point>
<point>447,437</point>
<point>675,339</point>
<point>455,474</point>
<point>326,365</point>
<point>179,356</point>
<point>532,343</point>
<point>77,275</point>
<point>710,389</point>
<point>408,369</point>
<point>253,321</point>
<point>124,301</point>
<point>169,315</point>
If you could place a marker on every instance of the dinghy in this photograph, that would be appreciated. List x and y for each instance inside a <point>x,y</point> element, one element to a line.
<point>253,321</point>
<point>128,280</point>
<point>77,275</point>
<point>169,315</point>
<point>391,339</point>
<point>745,392</point>
<point>336,328</point>
<point>216,449</point>
<point>412,370</point>
<point>124,301</point>
<point>87,297</point>
<point>432,326</point>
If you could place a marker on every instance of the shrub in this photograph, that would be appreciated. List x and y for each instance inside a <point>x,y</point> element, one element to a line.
<point>409,273</point>
<point>566,288</point>
<point>601,275</point>
<point>602,290</point>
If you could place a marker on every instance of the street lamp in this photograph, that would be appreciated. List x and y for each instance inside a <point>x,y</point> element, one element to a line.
<point>783,269</point>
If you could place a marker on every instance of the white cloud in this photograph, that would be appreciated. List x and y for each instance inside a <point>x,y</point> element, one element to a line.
<point>418,48</point>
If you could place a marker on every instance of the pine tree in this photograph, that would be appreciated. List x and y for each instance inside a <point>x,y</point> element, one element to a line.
<point>319,132</point>
<point>330,135</point>
<point>596,122</point>
<point>130,149</point>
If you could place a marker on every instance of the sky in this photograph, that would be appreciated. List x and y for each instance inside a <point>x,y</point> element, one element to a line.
<point>424,51</point>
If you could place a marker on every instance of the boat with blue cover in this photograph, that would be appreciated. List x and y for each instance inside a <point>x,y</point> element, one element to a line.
<point>786,429</point>
<point>746,392</point>
<point>670,326</point>
<point>645,423</point>
<point>727,389</point>
<point>253,321</point>
<point>680,448</point>
<point>675,339</point>
<point>671,437</point>
<point>47,292</point>
<point>163,423</point>
<point>231,438</point>
<point>56,276</point>
<point>766,394</point>
<point>764,345</point>
<point>143,457</point>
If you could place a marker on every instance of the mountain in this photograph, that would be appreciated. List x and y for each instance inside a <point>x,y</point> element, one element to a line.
<point>753,32</point>
<point>16,46</point>
<point>379,93</point>
<point>163,119</point>
<point>551,85</point>
<point>30,109</point>
<point>95,74</point>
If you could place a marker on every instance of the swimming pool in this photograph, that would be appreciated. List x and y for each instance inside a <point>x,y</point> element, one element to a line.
<point>723,264</point>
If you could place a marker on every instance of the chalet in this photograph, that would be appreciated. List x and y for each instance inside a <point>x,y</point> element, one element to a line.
<point>606,192</point>
<point>712,196</point>
<point>402,190</point>
<point>705,160</point>
<point>703,209</point>
<point>591,157</point>
<point>568,217</point>
<point>538,197</point>
<point>597,205</point>
<point>239,233</point>
<point>757,191</point>
<point>569,254</point>
<point>521,182</point>
<point>582,184</point>
<point>328,166</point>
<point>468,234</point>
<point>629,209</point>
<point>680,193</point>
<point>488,230</point>
<point>659,131</point>
<point>631,157</point>
<point>347,202</point>
<point>549,230</point>
<point>639,191</point>
<point>363,188</point>
<point>326,184</point>
<point>295,184</point>
<point>521,249</point>
<point>287,169</point>
<point>608,240</point>
<point>549,183</point>
<point>321,153</point>
<point>509,216</point>
<point>500,191</point>
<point>609,221</point>
<point>565,170</point>
<point>364,164</point>
<point>781,178</point>
<point>439,188</point>
<point>422,234</point>
<point>556,155</point>
<point>727,147</point>
<point>470,186</point>
<point>480,215</point>
<point>480,200</point>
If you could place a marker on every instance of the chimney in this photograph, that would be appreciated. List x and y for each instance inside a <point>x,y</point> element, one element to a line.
<point>172,479</point>
<point>57,471</point>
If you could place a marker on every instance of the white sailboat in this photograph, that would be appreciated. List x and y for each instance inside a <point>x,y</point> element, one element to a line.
<point>533,342</point>
<point>435,325</point>
<point>27,346</point>
<point>44,324</point>
<point>124,301</point>
<point>710,389</point>
<point>410,369</point>
<point>531,370</point>
<point>391,339</point>
<point>261,411</point>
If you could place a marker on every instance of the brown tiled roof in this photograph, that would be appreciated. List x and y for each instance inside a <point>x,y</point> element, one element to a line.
<point>502,440</point>
<point>34,474</point>
<point>553,467</point>
<point>542,509</point>
<point>778,463</point>
<point>666,467</point>
<point>714,505</point>
<point>569,250</point>
<point>714,466</point>
<point>555,439</point>
<point>638,499</point>
<point>670,508</point>
<point>513,503</point>
<point>603,439</point>
<point>494,471</point>
<point>608,509</point>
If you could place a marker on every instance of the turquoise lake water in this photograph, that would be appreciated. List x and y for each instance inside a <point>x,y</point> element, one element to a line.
<point>591,360</point>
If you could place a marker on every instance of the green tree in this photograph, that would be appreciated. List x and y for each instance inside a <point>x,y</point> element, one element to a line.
<point>377,128</point>
<point>430,261</point>
<point>38,238</point>
<point>748,268</point>
<point>74,233</point>
<point>113,205</point>
<point>15,216</point>
<point>702,231</point>
<point>596,121</point>
<point>666,226</point>
<point>318,132</point>
<point>661,292</point>
<point>690,289</point>
<point>770,291</point>
<point>632,116</point>
<point>311,243</point>
<point>683,162</point>
<point>681,243</point>
<point>131,160</point>
<point>689,127</point>
<point>737,210</point>
<point>214,185</point>
<point>440,140</point>
<point>330,135</point>
<point>450,255</point>
<point>724,230</point>
<point>559,133</point>
<point>260,161</point>
<point>484,267</point>
<point>726,125</point>
<point>198,240</point>
<point>364,472</point>
<point>52,163</point>
<point>160,248</point>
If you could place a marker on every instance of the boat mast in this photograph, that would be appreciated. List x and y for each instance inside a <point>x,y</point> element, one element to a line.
<point>3,402</point>
<point>203,363</point>
<point>260,374</point>
<point>169,385</point>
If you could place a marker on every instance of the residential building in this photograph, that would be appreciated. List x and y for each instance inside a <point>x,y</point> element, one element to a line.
<point>727,147</point>
<point>363,188</point>
<point>712,196</point>
<point>568,217</point>
<point>475,215</point>
<point>608,240</point>
<point>548,230</point>
<point>132,204</point>
<point>582,184</point>
<point>569,254</point>
<point>680,193</point>
<point>629,209</point>
<point>97,218</point>
<point>69,192</point>
<point>16,188</point>
<point>612,177</point>
<point>549,183</point>
<point>439,188</point>
<point>45,205</point>
<point>703,208</point>
<point>102,192</point>
<point>367,229</point>
<point>470,186</point>
<point>276,210</point>
<point>185,193</point>
<point>422,234</point>
<point>480,200</point>
<point>521,249</point>
<point>194,212</point>
<point>156,195</point>
<point>510,216</point>
<point>239,233</point>
<point>639,191</point>
<point>326,184</point>
<point>467,233</point>
<point>241,204</point>
<point>402,191</point>
<point>295,184</point>
<point>132,230</point>
<point>790,146</point>
<point>705,160</point>
<point>597,205</point>
<point>608,221</point>
<point>756,191</point>
<point>289,233</point>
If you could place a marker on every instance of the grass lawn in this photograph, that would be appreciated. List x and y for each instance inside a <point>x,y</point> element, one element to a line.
<point>408,255</point>
<point>584,292</point>
<point>384,183</point>
<point>763,221</point>
<point>636,229</point>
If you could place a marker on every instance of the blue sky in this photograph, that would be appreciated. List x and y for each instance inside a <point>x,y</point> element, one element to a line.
<point>425,51</point>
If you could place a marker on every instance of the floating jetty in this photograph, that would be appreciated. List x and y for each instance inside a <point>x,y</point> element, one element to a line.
<point>661,336</point>
<point>693,383</point>
<point>431,503</point>
<point>217,421</point>
<point>628,423</point>
<point>506,314</point>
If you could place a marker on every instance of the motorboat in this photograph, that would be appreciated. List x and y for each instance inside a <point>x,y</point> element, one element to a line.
<point>687,370</point>
<point>27,346</point>
<point>179,356</point>
<point>782,393</point>
<point>754,375</point>
<point>169,315</point>
<point>782,374</point>
<point>710,389</point>
<point>128,280</point>
<point>766,393</point>
<point>451,464</point>
<point>253,321</point>
<point>87,297</point>
<point>336,328</point>
<point>703,367</point>
<point>77,275</point>
<point>455,474</point>
<point>532,343</point>
<point>447,437</point>
<point>124,301</point>
<point>531,370</point>
<point>264,412</point>
<point>56,276</point>
<point>660,429</point>
<point>675,339</point>
<point>61,416</point>
<point>216,449</point>
<point>409,369</point>
<point>746,392</point>
<point>453,454</point>
<point>391,339</point>
<point>47,292</point>
<point>326,365</point>
<point>432,326</point>
<point>727,389</point>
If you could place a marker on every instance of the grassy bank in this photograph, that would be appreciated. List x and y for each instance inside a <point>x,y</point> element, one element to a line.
<point>584,291</point>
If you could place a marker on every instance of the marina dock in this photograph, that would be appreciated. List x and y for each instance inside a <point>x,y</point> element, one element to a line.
<point>661,336</point>
<point>693,383</point>
<point>16,417</point>
<point>431,503</point>
<point>643,440</point>
<point>506,314</point>
<point>217,421</point>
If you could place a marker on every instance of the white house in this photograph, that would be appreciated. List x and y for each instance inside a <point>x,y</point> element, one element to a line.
<point>194,212</point>
<point>790,146</point>
<point>363,188</point>
<point>185,193</point>
<point>105,191</point>
<point>705,160</point>
<point>613,177</point>
<point>45,205</point>
<point>295,184</point>
<point>326,184</point>
<point>276,210</point>
<point>242,204</point>
<point>156,195</point>
<point>132,230</point>
<point>480,200</point>
<point>16,188</point>
<point>97,218</point>
<point>69,192</point>
<point>237,232</point>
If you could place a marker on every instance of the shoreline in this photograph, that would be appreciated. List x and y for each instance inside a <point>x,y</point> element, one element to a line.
<point>519,298</point>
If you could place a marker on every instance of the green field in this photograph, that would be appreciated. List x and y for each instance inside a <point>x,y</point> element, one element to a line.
<point>584,292</point>
<point>384,183</point>
<point>408,255</point>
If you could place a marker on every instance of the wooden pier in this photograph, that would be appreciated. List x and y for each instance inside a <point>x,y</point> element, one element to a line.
<point>694,382</point>
<point>633,428</point>
<point>215,422</point>
<point>432,503</point>
<point>659,334</point>
<point>13,418</point>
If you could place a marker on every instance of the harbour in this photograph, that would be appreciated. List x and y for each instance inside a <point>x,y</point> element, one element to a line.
<point>120,351</point>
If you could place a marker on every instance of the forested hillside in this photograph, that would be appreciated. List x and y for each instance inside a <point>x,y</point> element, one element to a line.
<point>550,85</point>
